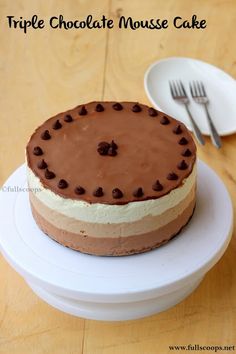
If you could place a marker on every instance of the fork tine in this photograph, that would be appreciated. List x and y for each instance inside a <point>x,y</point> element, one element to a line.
<point>183,89</point>
<point>171,89</point>
<point>191,89</point>
<point>203,89</point>
<point>198,89</point>
<point>195,89</point>
<point>175,89</point>
<point>179,88</point>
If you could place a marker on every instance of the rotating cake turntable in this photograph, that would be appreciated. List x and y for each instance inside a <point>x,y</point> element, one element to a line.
<point>116,288</point>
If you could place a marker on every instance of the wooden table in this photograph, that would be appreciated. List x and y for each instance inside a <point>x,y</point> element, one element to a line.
<point>47,71</point>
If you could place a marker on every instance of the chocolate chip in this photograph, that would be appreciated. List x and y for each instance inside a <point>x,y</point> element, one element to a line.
<point>114,145</point>
<point>183,141</point>
<point>186,153</point>
<point>112,151</point>
<point>79,190</point>
<point>45,135</point>
<point>98,192</point>
<point>117,106</point>
<point>104,144</point>
<point>138,193</point>
<point>172,176</point>
<point>102,151</point>
<point>42,165</point>
<point>164,120</point>
<point>103,148</point>
<point>37,151</point>
<point>116,193</point>
<point>182,165</point>
<point>62,184</point>
<point>49,174</point>
<point>152,112</point>
<point>68,118</point>
<point>136,108</point>
<point>177,129</point>
<point>99,108</point>
<point>157,186</point>
<point>83,111</point>
<point>57,125</point>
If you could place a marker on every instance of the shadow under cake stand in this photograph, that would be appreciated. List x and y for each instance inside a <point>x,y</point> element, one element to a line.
<point>116,288</point>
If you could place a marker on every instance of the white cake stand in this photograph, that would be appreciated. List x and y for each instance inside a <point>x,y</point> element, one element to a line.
<point>116,288</point>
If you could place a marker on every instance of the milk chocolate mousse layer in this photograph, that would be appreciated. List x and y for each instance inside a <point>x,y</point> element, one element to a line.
<point>112,178</point>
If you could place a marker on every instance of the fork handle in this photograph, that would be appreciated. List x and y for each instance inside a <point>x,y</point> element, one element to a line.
<point>215,138</point>
<point>196,130</point>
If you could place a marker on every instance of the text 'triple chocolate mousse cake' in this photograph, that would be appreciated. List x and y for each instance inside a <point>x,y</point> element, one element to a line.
<point>112,178</point>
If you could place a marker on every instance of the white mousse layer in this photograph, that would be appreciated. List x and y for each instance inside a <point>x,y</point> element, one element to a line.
<point>105,213</point>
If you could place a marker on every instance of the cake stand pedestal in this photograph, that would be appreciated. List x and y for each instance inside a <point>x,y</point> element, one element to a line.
<point>116,288</point>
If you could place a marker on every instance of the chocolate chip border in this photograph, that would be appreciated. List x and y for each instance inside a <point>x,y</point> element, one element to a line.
<point>99,191</point>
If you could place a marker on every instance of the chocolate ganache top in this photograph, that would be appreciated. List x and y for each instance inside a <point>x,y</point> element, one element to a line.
<point>111,153</point>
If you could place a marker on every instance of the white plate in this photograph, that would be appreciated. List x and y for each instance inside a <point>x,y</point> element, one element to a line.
<point>116,288</point>
<point>220,87</point>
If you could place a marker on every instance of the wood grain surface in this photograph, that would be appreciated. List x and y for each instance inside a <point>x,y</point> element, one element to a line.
<point>47,71</point>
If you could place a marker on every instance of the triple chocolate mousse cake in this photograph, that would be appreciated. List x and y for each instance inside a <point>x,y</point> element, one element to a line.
<point>109,178</point>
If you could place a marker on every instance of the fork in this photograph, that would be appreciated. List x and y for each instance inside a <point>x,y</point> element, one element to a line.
<point>179,94</point>
<point>199,95</point>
